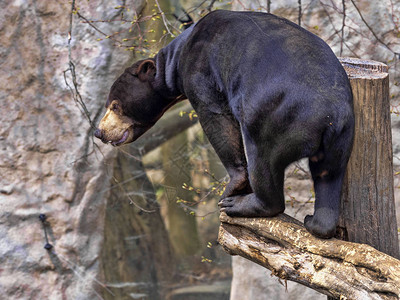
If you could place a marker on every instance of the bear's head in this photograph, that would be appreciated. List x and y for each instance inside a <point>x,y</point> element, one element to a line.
<point>133,105</point>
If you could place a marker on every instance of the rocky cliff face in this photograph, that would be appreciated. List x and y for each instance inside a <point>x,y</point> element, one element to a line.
<point>48,161</point>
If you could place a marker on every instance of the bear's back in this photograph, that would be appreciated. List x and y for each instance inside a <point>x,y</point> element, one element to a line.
<point>254,49</point>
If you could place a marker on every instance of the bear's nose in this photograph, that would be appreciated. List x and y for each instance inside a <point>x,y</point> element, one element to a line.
<point>98,133</point>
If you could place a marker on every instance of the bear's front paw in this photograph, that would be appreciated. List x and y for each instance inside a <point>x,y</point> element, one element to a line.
<point>226,203</point>
<point>248,206</point>
<point>237,206</point>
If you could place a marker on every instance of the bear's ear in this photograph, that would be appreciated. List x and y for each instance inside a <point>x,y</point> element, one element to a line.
<point>146,70</point>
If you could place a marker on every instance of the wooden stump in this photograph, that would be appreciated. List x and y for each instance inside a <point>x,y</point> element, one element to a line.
<point>368,210</point>
<point>282,244</point>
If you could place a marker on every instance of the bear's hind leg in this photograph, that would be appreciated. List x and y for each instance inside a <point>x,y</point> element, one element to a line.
<point>328,168</point>
<point>327,187</point>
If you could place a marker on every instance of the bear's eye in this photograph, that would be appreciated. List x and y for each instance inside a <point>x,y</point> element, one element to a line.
<point>114,107</point>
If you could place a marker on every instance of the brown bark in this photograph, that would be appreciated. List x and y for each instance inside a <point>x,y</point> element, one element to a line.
<point>368,211</point>
<point>336,268</point>
<point>339,269</point>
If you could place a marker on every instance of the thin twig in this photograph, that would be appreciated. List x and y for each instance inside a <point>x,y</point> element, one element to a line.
<point>75,91</point>
<point>165,21</point>
<point>130,199</point>
<point>372,31</point>
<point>209,8</point>
<point>343,25</point>
<point>299,18</point>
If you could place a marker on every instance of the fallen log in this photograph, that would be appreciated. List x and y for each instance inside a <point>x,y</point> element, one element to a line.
<point>336,268</point>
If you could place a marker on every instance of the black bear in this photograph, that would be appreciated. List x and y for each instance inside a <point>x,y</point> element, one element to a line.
<point>267,93</point>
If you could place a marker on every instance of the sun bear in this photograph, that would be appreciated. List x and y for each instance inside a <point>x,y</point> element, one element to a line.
<point>267,93</point>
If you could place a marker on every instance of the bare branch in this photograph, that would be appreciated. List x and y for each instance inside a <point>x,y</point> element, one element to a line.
<point>299,17</point>
<point>74,90</point>
<point>343,26</point>
<point>372,31</point>
<point>165,21</point>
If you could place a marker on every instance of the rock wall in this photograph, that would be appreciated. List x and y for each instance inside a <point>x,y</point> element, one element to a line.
<point>49,163</point>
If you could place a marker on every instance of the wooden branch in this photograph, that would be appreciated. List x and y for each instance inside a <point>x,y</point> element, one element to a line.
<point>169,126</point>
<point>336,268</point>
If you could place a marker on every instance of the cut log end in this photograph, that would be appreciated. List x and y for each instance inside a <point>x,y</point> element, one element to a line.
<point>366,69</point>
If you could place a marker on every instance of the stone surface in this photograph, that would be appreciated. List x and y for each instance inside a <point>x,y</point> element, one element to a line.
<point>48,161</point>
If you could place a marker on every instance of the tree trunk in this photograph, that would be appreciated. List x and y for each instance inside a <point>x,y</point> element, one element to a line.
<point>342,269</point>
<point>136,256</point>
<point>368,213</point>
<point>169,126</point>
<point>182,226</point>
<point>372,150</point>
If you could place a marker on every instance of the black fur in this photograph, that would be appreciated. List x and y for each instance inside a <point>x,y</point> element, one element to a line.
<point>267,93</point>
